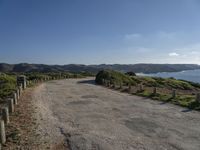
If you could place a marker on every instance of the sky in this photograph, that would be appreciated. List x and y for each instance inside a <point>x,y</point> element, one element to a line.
<point>100,31</point>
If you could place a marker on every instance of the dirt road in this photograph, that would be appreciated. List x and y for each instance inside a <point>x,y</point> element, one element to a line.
<point>79,115</point>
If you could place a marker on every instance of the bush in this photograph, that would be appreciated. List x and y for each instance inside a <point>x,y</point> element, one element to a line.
<point>130,74</point>
<point>148,81</point>
<point>113,77</point>
<point>7,85</point>
<point>51,75</point>
<point>177,84</point>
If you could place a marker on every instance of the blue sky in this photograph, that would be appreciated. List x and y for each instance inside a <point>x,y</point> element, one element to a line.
<point>100,31</point>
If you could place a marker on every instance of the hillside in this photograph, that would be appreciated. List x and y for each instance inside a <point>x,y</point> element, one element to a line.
<point>144,86</point>
<point>138,68</point>
<point>150,68</point>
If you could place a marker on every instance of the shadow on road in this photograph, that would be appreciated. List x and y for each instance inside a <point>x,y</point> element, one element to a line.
<point>163,103</point>
<point>87,82</point>
<point>186,110</point>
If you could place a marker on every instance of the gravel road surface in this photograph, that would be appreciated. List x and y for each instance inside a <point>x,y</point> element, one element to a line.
<point>76,114</point>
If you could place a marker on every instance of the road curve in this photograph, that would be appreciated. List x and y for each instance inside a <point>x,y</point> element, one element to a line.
<point>76,114</point>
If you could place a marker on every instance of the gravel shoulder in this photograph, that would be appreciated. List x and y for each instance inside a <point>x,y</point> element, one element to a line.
<point>79,115</point>
<point>21,131</point>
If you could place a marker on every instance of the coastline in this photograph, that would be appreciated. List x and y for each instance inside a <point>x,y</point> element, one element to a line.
<point>188,75</point>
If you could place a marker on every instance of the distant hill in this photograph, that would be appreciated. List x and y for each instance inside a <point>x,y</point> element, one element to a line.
<point>150,68</point>
<point>137,68</point>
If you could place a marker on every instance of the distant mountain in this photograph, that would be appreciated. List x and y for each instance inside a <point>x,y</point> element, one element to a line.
<point>137,68</point>
<point>150,68</point>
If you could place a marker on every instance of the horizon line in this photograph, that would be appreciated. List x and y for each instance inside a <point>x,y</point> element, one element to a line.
<point>99,64</point>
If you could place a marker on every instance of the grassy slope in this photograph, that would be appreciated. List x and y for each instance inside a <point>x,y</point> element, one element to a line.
<point>183,99</point>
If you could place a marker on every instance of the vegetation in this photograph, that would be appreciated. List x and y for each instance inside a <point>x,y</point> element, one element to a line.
<point>7,85</point>
<point>185,98</point>
<point>113,77</point>
<point>182,100</point>
<point>53,75</point>
<point>145,68</point>
<point>8,81</point>
<point>185,90</point>
<point>169,83</point>
<point>130,73</point>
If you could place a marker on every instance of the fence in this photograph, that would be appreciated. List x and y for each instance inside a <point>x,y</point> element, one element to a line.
<point>8,105</point>
<point>152,90</point>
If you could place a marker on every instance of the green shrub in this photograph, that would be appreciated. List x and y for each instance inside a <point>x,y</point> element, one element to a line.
<point>148,81</point>
<point>7,85</point>
<point>113,77</point>
<point>130,73</point>
<point>177,84</point>
<point>51,75</point>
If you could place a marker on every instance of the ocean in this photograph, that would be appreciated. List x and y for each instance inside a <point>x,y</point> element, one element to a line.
<point>189,75</point>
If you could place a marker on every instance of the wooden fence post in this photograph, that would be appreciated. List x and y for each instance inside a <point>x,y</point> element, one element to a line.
<point>141,87</point>
<point>15,98</point>
<point>103,81</point>
<point>2,132</point>
<point>5,115</point>
<point>17,93</point>
<point>198,97</point>
<point>154,91</point>
<point>10,105</point>
<point>21,86</point>
<point>20,90</point>
<point>173,93</point>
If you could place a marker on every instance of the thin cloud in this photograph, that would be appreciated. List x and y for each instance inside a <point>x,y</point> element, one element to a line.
<point>173,54</point>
